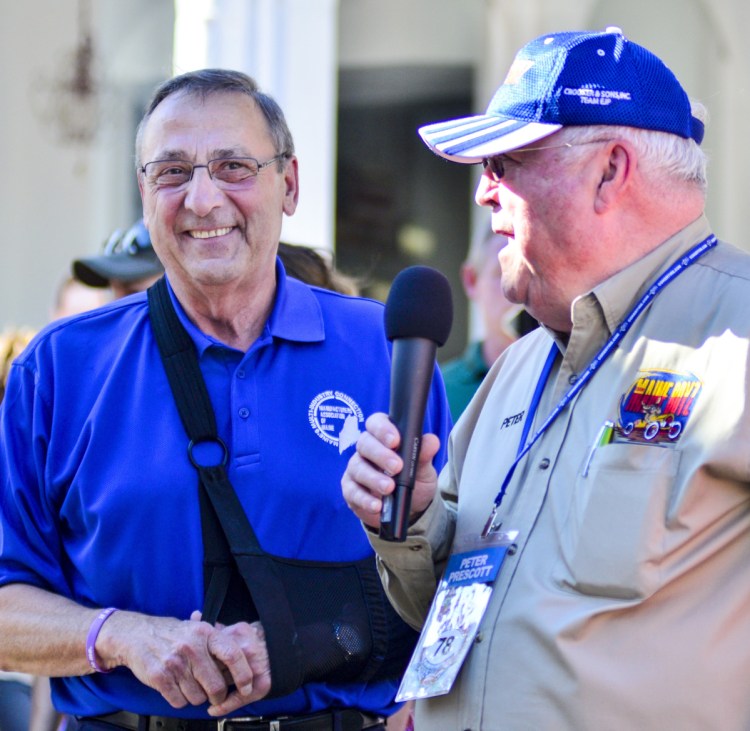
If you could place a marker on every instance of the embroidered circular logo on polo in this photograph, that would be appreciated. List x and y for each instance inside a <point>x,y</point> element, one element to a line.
<point>336,419</point>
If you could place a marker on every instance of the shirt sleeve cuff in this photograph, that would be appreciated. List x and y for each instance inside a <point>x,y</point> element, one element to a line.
<point>425,539</point>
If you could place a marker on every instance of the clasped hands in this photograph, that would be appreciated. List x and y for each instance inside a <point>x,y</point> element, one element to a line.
<point>194,662</point>
<point>190,662</point>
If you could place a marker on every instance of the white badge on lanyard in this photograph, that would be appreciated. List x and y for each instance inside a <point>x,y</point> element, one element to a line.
<point>453,621</point>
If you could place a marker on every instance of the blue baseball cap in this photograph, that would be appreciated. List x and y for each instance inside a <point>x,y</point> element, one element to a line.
<point>570,79</point>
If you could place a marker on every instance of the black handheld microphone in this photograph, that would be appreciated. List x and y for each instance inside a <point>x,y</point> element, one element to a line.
<point>418,318</point>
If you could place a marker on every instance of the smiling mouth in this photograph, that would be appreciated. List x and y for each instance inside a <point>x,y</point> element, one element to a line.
<point>213,233</point>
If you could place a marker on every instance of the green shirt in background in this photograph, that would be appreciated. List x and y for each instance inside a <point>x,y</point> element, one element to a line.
<point>462,377</point>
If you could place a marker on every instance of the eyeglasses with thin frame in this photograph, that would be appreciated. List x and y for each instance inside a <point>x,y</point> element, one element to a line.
<point>496,166</point>
<point>226,172</point>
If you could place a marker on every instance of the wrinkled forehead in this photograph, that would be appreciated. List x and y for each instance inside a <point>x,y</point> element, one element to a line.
<point>189,126</point>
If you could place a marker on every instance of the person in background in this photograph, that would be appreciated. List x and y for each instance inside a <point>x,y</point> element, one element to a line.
<point>308,265</point>
<point>102,558</point>
<point>502,322</point>
<point>597,495</point>
<point>15,701</point>
<point>127,264</point>
<point>73,297</point>
<point>12,343</point>
<point>16,689</point>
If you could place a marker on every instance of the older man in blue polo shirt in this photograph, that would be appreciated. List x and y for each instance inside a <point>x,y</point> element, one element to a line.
<point>101,557</point>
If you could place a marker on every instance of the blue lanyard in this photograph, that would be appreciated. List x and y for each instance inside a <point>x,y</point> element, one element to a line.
<point>607,349</point>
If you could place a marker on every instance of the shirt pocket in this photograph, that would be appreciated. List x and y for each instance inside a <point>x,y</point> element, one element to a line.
<point>613,539</point>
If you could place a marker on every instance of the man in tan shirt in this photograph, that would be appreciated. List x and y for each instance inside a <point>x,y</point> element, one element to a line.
<point>624,602</point>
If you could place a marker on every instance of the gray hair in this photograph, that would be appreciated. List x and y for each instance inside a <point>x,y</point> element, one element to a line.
<point>666,155</point>
<point>205,82</point>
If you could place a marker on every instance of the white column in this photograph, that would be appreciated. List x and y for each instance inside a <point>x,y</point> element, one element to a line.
<point>290,48</point>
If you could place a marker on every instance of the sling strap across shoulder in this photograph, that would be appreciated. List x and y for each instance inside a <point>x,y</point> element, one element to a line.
<point>227,532</point>
<point>323,620</point>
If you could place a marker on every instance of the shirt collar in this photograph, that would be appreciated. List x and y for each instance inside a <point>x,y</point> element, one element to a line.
<point>616,296</point>
<point>600,311</point>
<point>296,316</point>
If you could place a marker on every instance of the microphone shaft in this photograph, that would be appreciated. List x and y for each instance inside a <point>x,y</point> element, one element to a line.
<point>411,375</point>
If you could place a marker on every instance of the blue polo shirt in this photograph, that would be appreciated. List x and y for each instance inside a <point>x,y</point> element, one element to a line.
<point>99,497</point>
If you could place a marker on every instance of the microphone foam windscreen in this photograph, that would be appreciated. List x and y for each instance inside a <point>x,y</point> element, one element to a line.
<point>419,305</point>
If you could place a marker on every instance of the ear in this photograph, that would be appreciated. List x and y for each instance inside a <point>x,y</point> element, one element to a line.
<point>616,175</point>
<point>469,279</point>
<point>291,183</point>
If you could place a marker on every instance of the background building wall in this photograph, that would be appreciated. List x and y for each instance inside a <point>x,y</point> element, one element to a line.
<point>60,199</point>
<point>326,61</point>
<point>290,47</point>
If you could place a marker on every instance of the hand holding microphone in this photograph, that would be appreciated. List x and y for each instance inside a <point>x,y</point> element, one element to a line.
<point>418,319</point>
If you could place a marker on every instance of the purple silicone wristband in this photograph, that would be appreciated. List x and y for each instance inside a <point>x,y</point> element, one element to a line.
<point>96,626</point>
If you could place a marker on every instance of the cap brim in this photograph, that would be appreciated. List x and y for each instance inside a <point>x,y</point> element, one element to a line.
<point>99,271</point>
<point>470,139</point>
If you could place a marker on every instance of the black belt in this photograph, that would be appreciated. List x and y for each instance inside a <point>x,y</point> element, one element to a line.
<point>337,720</point>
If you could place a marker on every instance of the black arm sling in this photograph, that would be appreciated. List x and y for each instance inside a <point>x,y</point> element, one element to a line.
<point>323,621</point>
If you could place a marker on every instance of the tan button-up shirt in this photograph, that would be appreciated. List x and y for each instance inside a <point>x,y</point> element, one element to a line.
<point>627,603</point>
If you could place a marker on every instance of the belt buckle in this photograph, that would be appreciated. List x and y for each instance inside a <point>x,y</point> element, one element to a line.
<point>243,719</point>
<point>273,725</point>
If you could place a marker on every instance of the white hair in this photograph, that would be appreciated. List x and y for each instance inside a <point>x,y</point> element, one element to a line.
<point>661,153</point>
